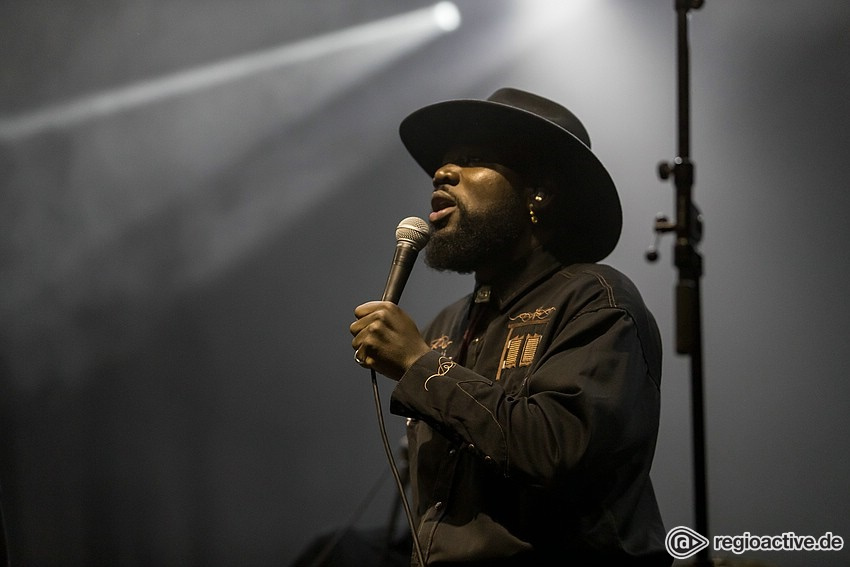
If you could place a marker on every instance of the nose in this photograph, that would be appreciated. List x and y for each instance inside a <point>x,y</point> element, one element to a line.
<point>448,174</point>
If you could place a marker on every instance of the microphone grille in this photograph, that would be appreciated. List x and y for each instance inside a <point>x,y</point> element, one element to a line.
<point>413,230</point>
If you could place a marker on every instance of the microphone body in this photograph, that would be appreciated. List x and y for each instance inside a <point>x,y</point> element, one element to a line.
<point>403,260</point>
<point>411,235</point>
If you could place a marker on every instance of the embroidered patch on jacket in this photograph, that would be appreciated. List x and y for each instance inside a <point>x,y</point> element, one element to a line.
<point>524,336</point>
<point>443,368</point>
<point>538,314</point>
<point>441,344</point>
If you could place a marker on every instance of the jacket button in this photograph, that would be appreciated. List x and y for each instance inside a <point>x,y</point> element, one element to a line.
<point>438,505</point>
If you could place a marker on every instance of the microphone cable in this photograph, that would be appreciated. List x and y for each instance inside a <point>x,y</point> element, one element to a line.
<point>396,476</point>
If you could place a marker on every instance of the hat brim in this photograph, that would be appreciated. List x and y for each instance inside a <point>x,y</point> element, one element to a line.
<point>588,208</point>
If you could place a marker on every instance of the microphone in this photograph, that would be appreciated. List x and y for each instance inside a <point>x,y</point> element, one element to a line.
<point>411,236</point>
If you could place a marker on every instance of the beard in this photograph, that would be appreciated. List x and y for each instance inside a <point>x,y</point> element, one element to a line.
<point>480,238</point>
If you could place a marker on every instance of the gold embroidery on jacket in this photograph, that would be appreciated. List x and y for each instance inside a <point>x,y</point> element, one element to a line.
<point>441,343</point>
<point>521,347</point>
<point>520,350</point>
<point>530,349</point>
<point>538,314</point>
<point>514,343</point>
<point>446,364</point>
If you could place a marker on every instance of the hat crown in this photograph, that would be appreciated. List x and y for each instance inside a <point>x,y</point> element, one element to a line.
<point>542,108</point>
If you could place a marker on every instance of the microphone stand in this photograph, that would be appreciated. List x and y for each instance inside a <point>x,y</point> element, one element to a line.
<point>688,228</point>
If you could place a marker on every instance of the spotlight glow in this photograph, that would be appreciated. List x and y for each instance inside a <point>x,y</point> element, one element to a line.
<point>446,16</point>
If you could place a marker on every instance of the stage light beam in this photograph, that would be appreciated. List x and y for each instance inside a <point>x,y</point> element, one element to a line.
<point>137,160</point>
<point>415,27</point>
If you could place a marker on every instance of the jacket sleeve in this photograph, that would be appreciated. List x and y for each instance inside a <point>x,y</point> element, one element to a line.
<point>588,402</point>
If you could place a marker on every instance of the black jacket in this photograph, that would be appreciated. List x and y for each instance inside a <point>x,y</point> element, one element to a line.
<point>531,441</point>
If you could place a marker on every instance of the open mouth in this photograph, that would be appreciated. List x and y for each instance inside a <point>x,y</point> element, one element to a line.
<point>442,205</point>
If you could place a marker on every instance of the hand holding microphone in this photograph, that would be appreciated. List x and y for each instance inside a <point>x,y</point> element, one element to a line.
<point>385,338</point>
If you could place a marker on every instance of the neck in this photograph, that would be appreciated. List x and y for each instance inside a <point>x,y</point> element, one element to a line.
<point>487,274</point>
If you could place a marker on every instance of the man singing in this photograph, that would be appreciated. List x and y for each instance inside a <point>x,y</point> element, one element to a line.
<point>533,403</point>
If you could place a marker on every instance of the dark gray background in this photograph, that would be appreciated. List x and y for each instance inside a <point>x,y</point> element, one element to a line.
<point>177,276</point>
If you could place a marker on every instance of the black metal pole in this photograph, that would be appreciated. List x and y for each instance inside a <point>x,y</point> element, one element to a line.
<point>688,261</point>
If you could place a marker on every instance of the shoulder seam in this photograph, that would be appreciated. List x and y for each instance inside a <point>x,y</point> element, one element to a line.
<point>609,289</point>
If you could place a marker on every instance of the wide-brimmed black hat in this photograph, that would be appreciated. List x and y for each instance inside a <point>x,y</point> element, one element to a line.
<point>541,135</point>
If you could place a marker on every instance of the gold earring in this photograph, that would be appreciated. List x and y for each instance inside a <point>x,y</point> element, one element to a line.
<point>531,214</point>
<point>537,198</point>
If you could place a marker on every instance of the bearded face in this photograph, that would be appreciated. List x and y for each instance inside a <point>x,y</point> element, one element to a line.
<point>478,236</point>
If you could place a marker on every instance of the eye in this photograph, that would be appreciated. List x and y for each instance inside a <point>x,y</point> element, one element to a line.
<point>471,161</point>
<point>471,157</point>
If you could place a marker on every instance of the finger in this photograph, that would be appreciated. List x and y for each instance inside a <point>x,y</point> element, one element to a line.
<point>365,325</point>
<point>362,343</point>
<point>364,309</point>
<point>373,306</point>
<point>361,312</point>
<point>356,327</point>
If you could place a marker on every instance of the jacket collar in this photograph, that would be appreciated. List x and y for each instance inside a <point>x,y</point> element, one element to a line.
<point>517,278</point>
